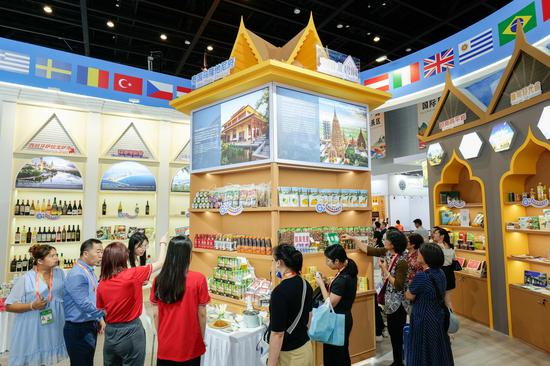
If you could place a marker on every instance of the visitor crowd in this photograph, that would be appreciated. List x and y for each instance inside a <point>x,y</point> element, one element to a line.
<point>60,316</point>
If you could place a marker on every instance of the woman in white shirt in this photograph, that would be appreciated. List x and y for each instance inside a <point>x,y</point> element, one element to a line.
<point>441,237</point>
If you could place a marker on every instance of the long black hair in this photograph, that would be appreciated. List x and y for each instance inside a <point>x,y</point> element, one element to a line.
<point>445,234</point>
<point>291,257</point>
<point>170,283</point>
<point>136,240</point>
<point>336,251</point>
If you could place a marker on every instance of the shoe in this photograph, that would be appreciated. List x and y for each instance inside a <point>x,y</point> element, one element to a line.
<point>385,333</point>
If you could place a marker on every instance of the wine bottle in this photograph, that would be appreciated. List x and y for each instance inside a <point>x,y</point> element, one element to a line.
<point>13,264</point>
<point>69,233</point>
<point>17,236</point>
<point>79,210</point>
<point>64,234</point>
<point>25,264</point>
<point>33,209</point>
<point>147,208</point>
<point>104,208</point>
<point>18,264</point>
<point>17,209</point>
<point>69,209</point>
<point>75,209</point>
<point>33,236</point>
<point>54,207</point>
<point>61,261</point>
<point>64,208</point>
<point>27,209</point>
<point>77,238</point>
<point>136,210</point>
<point>119,207</point>
<point>43,206</point>
<point>29,236</point>
<point>39,235</point>
<point>58,235</point>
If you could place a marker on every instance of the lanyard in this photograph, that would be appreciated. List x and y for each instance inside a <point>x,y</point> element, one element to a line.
<point>92,279</point>
<point>289,275</point>
<point>49,289</point>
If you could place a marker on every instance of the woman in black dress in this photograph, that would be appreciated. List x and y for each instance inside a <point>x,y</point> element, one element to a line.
<point>341,293</point>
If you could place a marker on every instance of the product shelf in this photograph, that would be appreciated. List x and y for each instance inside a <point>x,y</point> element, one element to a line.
<point>52,244</point>
<point>529,260</point>
<point>467,205</point>
<point>68,191</point>
<point>464,228</point>
<point>529,231</point>
<point>227,253</point>
<point>252,209</point>
<point>481,252</point>
<point>138,217</point>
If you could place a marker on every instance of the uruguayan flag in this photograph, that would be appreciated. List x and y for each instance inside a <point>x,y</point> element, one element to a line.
<point>14,62</point>
<point>475,46</point>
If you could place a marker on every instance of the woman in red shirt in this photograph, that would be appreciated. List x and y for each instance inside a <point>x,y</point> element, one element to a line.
<point>181,296</point>
<point>120,294</point>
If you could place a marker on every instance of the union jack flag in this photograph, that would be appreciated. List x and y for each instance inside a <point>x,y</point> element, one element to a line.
<point>438,63</point>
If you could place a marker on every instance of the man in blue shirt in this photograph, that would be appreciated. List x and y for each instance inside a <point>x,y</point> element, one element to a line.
<point>83,321</point>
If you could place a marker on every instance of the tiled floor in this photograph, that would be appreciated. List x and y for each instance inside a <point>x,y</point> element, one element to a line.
<point>473,345</point>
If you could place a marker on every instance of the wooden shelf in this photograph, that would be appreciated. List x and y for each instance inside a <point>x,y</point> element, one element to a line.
<point>312,209</point>
<point>236,302</point>
<point>227,253</point>
<point>471,275</point>
<point>336,169</point>
<point>465,228</point>
<point>175,216</point>
<point>529,260</point>
<point>482,252</point>
<point>127,218</point>
<point>468,205</point>
<point>52,244</point>
<point>180,193</point>
<point>45,219</point>
<point>236,170</point>
<point>252,209</point>
<point>529,231</point>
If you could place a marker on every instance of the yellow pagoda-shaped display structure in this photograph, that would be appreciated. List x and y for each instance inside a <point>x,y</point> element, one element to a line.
<point>275,119</point>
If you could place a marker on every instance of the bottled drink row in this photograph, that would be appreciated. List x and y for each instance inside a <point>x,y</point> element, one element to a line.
<point>24,264</point>
<point>234,243</point>
<point>47,235</point>
<point>47,207</point>
<point>120,209</point>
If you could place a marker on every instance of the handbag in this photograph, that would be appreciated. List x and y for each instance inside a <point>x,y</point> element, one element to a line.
<point>450,323</point>
<point>263,345</point>
<point>323,322</point>
<point>381,297</point>
<point>456,266</point>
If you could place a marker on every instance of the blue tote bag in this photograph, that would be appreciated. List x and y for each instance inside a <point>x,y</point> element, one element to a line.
<point>327,326</point>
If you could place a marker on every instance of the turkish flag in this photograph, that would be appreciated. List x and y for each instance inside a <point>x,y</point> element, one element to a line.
<point>128,84</point>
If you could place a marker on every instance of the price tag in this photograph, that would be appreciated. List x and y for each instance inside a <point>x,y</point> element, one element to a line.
<point>301,239</point>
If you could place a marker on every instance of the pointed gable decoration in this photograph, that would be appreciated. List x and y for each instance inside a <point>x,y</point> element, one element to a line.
<point>250,49</point>
<point>185,153</point>
<point>454,112</point>
<point>527,76</point>
<point>52,137</point>
<point>130,145</point>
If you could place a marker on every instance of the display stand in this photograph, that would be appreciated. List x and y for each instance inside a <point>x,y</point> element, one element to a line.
<point>471,298</point>
<point>255,65</point>
<point>530,317</point>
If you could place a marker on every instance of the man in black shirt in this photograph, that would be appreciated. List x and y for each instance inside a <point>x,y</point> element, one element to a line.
<point>378,234</point>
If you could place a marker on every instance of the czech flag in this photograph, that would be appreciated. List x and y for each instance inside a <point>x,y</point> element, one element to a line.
<point>92,77</point>
<point>156,89</point>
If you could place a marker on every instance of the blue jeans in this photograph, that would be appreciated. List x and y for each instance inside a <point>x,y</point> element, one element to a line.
<point>81,340</point>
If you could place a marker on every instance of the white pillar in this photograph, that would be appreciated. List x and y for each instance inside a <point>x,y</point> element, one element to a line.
<point>7,135</point>
<point>163,181</point>
<point>91,181</point>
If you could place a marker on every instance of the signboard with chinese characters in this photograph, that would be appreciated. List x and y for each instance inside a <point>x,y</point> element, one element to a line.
<point>452,122</point>
<point>425,110</point>
<point>212,74</point>
<point>526,93</point>
<point>338,64</point>
<point>52,137</point>
<point>378,136</point>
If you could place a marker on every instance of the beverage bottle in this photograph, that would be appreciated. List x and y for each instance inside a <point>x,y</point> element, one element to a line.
<point>104,208</point>
<point>25,264</point>
<point>69,209</point>
<point>29,236</point>
<point>119,210</point>
<point>79,209</point>
<point>13,264</point>
<point>77,237</point>
<point>27,209</point>
<point>64,234</point>
<point>54,207</point>
<point>136,210</point>
<point>75,209</point>
<point>17,209</point>
<point>61,261</point>
<point>147,208</point>
<point>58,235</point>
<point>18,265</point>
<point>49,208</point>
<point>33,209</point>
<point>64,208</point>
<point>33,236</point>
<point>17,236</point>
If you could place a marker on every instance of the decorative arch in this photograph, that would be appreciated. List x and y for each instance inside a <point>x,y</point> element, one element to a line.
<point>181,181</point>
<point>128,176</point>
<point>49,172</point>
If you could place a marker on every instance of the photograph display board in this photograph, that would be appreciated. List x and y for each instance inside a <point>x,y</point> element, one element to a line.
<point>128,176</point>
<point>233,132</point>
<point>182,181</point>
<point>319,130</point>
<point>49,172</point>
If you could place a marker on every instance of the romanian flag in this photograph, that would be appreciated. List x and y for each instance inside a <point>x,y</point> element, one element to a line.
<point>92,77</point>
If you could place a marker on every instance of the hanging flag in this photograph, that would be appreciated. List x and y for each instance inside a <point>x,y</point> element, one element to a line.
<point>438,63</point>
<point>476,46</point>
<point>527,17</point>
<point>92,77</point>
<point>128,84</point>
<point>53,69</point>
<point>405,75</point>
<point>156,89</point>
<point>182,90</point>
<point>14,62</point>
<point>380,82</point>
<point>545,10</point>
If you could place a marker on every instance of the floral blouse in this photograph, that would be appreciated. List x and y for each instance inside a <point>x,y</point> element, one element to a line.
<point>414,266</point>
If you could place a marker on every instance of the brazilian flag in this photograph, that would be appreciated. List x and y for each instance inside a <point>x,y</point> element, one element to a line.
<point>527,17</point>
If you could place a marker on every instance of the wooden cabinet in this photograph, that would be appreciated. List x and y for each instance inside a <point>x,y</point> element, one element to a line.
<point>470,298</point>
<point>530,317</point>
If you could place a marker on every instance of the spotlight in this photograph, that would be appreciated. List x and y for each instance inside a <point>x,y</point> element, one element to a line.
<point>408,49</point>
<point>187,42</point>
<point>382,58</point>
<point>339,26</point>
<point>210,48</point>
<point>376,39</point>
<point>163,37</point>
<point>297,11</point>
<point>47,9</point>
<point>110,24</point>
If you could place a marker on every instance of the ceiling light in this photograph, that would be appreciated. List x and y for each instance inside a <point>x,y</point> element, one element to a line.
<point>110,24</point>
<point>339,26</point>
<point>210,48</point>
<point>408,49</point>
<point>163,37</point>
<point>382,58</point>
<point>297,11</point>
<point>47,9</point>
<point>383,4</point>
<point>376,39</point>
<point>368,6</point>
<point>368,33</point>
<point>187,42</point>
<point>347,25</point>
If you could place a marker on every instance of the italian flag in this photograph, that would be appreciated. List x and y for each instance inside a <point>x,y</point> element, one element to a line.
<point>405,76</point>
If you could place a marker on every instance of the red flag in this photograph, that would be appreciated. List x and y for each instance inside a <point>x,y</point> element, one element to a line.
<point>128,84</point>
<point>545,10</point>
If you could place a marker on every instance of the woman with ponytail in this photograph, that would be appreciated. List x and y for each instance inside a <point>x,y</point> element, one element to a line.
<point>341,292</point>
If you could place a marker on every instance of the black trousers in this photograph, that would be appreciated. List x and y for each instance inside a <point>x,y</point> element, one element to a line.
<point>80,340</point>
<point>378,320</point>
<point>193,362</point>
<point>339,355</point>
<point>396,322</point>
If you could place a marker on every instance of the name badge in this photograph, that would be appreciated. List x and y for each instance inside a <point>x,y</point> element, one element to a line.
<point>46,317</point>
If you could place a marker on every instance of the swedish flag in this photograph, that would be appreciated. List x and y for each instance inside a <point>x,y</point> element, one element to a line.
<point>53,69</point>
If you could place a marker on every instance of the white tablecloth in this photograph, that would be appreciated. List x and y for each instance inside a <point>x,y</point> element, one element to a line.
<point>232,349</point>
<point>6,320</point>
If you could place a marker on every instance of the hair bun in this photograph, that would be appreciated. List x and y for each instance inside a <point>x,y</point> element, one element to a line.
<point>34,249</point>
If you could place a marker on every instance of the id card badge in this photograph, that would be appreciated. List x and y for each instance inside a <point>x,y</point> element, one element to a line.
<point>46,317</point>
